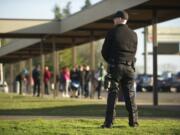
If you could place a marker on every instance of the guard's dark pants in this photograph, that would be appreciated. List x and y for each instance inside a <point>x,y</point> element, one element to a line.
<point>122,75</point>
<point>99,87</point>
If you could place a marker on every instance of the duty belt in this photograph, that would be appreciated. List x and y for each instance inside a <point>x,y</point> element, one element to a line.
<point>124,62</point>
<point>129,63</point>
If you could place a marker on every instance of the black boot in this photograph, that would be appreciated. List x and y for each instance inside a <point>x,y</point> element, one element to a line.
<point>110,110</point>
<point>106,125</point>
<point>135,124</point>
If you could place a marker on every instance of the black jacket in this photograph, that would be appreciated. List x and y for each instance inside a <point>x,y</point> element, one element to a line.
<point>36,75</point>
<point>87,76</point>
<point>120,45</point>
<point>75,75</point>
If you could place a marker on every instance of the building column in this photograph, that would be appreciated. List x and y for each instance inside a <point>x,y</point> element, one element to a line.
<point>11,78</point>
<point>30,74</point>
<point>74,53</point>
<point>1,73</point>
<point>55,93</point>
<point>1,65</point>
<point>155,63</point>
<point>57,71</point>
<point>58,59</point>
<point>145,49</point>
<point>92,51</point>
<point>21,67</point>
<point>42,68</point>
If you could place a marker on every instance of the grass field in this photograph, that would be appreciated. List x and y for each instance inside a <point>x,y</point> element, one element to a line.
<point>85,122</point>
<point>87,127</point>
<point>11,104</point>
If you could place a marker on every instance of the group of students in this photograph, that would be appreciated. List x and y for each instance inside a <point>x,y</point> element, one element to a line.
<point>75,81</point>
<point>24,82</point>
<point>80,81</point>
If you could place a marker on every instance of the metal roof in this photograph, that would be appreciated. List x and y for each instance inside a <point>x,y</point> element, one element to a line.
<point>82,27</point>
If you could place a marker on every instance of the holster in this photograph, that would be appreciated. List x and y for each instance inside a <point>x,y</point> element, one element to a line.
<point>133,66</point>
<point>107,81</point>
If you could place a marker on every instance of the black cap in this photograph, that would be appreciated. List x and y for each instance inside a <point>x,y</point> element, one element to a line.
<point>121,14</point>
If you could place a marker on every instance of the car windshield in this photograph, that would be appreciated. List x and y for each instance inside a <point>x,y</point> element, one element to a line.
<point>178,75</point>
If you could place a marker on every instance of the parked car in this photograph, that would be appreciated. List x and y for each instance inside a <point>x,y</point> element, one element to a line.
<point>176,83</point>
<point>144,82</point>
<point>165,81</point>
<point>4,87</point>
<point>164,85</point>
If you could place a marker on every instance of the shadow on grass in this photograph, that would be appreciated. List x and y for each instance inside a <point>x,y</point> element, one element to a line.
<point>95,110</point>
<point>120,126</point>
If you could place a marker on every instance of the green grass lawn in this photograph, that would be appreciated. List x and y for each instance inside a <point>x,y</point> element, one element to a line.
<point>11,104</point>
<point>87,127</point>
<point>84,109</point>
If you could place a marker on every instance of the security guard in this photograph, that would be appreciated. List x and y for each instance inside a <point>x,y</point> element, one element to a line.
<point>118,51</point>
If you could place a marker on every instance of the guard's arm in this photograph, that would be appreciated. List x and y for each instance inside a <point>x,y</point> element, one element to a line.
<point>106,47</point>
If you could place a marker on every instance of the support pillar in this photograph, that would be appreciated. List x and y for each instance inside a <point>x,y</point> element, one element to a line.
<point>42,69</point>
<point>1,73</point>
<point>57,71</point>
<point>11,88</point>
<point>74,54</point>
<point>58,59</point>
<point>145,49</point>
<point>30,75</point>
<point>21,86</point>
<point>155,63</point>
<point>55,93</point>
<point>92,52</point>
<point>1,65</point>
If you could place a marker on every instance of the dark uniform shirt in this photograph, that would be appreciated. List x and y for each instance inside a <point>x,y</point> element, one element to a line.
<point>120,45</point>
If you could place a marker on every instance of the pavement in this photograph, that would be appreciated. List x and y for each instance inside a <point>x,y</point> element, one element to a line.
<point>142,98</point>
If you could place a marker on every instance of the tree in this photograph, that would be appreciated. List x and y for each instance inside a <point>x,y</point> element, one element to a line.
<point>66,58</point>
<point>82,51</point>
<point>57,13</point>
<point>67,9</point>
<point>87,4</point>
<point>64,54</point>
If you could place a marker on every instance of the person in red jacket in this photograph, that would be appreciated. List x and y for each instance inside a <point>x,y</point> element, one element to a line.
<point>47,76</point>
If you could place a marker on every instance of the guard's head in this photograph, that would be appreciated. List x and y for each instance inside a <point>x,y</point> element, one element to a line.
<point>120,17</point>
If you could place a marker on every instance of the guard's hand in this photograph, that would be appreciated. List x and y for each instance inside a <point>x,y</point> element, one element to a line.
<point>107,81</point>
